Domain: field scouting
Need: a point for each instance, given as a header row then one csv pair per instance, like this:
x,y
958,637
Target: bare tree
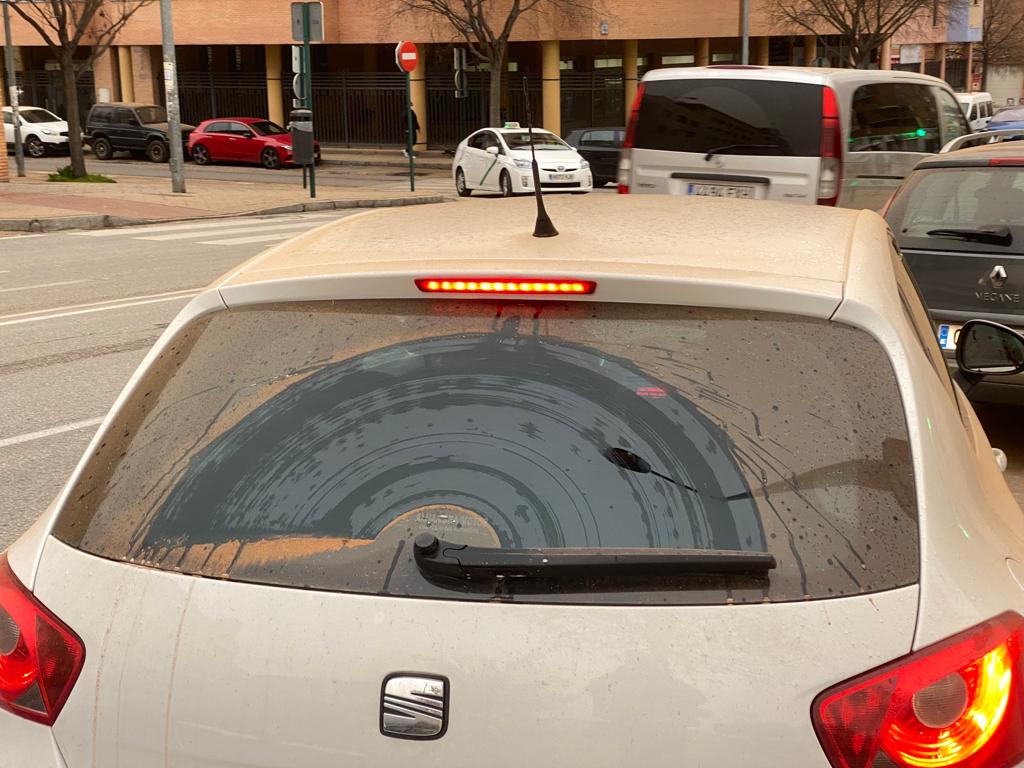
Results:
x,y
864,25
1002,36
486,27
67,25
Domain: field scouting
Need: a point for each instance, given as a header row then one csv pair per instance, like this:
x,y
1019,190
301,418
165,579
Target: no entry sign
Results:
x,y
406,56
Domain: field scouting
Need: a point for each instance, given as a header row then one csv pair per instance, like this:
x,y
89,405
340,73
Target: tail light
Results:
x,y
955,704
40,656
831,149
505,285
625,160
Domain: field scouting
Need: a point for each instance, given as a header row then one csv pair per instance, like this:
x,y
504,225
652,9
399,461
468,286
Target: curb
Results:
x,y
429,165
104,221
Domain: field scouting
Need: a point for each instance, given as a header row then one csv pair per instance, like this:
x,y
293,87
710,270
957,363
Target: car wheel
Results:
x,y
505,184
34,147
157,151
460,184
102,149
200,155
270,159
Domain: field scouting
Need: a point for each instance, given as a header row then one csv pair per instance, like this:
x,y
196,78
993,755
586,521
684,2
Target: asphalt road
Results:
x,y
79,310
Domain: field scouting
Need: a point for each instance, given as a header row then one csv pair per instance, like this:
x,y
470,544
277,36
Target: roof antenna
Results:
x,y
543,227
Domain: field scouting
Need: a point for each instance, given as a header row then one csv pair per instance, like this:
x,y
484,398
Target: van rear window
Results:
x,y
308,445
732,117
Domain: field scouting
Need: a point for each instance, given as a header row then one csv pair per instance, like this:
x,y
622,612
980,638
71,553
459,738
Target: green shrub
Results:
x,y
66,174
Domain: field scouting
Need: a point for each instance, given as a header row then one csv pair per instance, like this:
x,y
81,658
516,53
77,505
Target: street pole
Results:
x,y
12,88
745,31
307,89
408,125
171,90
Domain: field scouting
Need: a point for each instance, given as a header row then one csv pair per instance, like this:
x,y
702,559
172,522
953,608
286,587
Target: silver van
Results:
x,y
842,137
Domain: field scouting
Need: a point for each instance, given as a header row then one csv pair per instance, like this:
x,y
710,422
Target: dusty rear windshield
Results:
x,y
307,446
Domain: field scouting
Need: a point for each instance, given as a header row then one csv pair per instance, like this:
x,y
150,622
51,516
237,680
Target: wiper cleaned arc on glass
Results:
x,y
996,233
460,561
718,150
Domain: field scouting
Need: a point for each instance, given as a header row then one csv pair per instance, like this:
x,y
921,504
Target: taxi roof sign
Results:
x,y
513,126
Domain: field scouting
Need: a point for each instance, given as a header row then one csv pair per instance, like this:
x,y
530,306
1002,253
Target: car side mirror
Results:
x,y
246,134
492,150
984,348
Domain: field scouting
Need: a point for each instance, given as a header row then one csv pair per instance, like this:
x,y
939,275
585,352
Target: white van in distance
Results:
x,y
828,136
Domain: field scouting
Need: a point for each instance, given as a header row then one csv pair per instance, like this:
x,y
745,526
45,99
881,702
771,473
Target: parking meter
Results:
x,y
302,136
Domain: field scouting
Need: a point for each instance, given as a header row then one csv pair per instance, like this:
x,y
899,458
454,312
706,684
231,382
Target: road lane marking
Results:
x,y
232,230
192,225
30,436
244,240
99,306
45,285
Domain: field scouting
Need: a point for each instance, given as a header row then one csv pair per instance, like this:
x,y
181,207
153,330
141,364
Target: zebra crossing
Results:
x,y
223,232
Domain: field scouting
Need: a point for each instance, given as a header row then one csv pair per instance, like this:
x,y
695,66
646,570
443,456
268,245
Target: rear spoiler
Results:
x,y
984,137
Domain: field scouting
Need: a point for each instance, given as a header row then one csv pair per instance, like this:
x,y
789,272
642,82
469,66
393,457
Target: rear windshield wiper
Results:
x,y
718,150
461,561
999,234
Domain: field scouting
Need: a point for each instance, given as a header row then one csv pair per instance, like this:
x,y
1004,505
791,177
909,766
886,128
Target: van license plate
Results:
x,y
948,336
719,190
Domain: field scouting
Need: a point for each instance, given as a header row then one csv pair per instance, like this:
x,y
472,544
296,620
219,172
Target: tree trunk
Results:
x,y
984,69
67,70
497,70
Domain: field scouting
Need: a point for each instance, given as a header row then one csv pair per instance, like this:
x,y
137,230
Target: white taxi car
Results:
x,y
499,160
661,491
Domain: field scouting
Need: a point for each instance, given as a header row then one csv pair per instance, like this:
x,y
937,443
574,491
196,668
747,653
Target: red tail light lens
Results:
x,y
957,703
625,162
830,180
505,285
40,656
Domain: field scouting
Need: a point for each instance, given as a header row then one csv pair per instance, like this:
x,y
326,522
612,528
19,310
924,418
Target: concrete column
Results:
x,y
275,104
761,50
551,85
143,76
418,87
941,51
629,73
702,55
104,71
885,55
810,49
125,70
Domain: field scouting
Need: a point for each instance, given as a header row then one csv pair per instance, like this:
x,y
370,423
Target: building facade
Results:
x,y
234,59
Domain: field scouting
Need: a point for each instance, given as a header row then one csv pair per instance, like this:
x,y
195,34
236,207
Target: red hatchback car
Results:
x,y
242,140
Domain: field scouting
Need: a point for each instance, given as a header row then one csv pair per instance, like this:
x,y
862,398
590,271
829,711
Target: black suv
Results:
x,y
137,128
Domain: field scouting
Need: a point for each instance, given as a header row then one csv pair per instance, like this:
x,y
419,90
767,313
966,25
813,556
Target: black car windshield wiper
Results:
x,y
999,234
718,150
461,561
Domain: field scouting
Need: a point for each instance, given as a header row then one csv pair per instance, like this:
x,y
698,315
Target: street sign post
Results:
x,y
307,27
407,57
12,91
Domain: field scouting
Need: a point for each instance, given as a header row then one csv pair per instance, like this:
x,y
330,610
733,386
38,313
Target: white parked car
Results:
x,y
688,484
42,131
499,160
978,109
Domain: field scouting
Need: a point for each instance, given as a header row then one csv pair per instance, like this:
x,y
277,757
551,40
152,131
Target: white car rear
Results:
x,y
793,134
41,130
245,569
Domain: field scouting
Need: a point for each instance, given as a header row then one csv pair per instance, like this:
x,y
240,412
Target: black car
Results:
x,y
137,128
600,147
959,220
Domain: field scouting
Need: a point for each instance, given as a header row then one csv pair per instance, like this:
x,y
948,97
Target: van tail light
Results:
x,y
40,656
955,704
830,179
625,159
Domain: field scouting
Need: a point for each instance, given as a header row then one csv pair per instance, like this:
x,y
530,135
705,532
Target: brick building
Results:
x,y
4,164
234,59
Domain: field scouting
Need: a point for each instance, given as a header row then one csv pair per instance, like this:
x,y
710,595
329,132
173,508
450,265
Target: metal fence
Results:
x,y
592,99
45,88
357,108
203,95
451,119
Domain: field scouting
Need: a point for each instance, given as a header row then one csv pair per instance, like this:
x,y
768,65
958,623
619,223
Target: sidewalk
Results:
x,y
33,204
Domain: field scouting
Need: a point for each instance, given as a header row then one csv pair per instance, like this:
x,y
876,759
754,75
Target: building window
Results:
x,y
607,63
513,66
722,58
567,64
682,58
